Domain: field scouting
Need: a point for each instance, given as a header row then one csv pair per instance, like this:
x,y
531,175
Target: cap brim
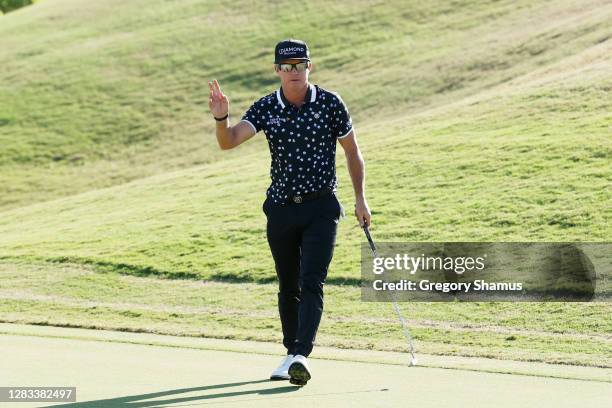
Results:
x,y
278,61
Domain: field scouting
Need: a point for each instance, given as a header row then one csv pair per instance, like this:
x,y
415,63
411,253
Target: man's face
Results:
x,y
293,79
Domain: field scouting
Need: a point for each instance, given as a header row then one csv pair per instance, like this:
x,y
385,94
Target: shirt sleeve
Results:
x,y
254,116
342,124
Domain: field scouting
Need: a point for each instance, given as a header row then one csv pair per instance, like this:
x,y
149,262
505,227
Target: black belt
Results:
x,y
298,199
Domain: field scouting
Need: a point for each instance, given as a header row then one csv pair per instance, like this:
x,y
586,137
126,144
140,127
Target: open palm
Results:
x,y
217,102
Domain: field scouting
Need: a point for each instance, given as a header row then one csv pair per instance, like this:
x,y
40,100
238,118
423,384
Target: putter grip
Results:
x,y
369,237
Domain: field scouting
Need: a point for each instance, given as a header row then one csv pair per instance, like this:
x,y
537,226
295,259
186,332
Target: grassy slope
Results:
x,y
76,296
124,96
481,169
519,153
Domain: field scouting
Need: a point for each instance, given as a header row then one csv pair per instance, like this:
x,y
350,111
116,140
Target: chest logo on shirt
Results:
x,y
276,121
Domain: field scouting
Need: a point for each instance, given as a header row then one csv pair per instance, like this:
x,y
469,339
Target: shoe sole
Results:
x,y
299,374
279,378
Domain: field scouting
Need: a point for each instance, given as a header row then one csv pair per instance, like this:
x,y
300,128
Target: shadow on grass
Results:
x,y
149,271
138,401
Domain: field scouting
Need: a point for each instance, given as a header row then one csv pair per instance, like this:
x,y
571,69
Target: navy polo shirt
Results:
x,y
302,141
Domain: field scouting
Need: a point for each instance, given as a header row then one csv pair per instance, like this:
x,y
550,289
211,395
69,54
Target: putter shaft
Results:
x,y
405,329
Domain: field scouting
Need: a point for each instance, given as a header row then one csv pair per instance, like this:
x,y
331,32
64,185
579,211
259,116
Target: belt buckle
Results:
x,y
297,199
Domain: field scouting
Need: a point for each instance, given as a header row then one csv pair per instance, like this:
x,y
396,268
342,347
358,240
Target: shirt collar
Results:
x,y
311,96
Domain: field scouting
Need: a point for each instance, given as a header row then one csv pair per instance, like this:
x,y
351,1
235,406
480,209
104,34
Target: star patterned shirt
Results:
x,y
302,140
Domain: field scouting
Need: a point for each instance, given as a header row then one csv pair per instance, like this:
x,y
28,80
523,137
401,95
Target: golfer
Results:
x,y
302,123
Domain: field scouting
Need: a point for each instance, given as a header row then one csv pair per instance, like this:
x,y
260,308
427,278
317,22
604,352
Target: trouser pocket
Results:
x,y
340,207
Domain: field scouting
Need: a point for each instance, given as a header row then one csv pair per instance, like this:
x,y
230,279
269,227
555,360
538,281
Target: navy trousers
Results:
x,y
302,238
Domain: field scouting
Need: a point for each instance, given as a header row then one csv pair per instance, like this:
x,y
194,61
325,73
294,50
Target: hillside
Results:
x,y
478,121
122,97
484,168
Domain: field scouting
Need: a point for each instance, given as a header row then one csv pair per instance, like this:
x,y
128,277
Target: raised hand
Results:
x,y
217,102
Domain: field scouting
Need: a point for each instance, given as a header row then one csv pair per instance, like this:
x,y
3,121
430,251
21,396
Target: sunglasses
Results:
x,y
299,67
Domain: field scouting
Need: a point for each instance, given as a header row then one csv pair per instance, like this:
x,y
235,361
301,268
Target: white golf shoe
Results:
x,y
282,372
299,372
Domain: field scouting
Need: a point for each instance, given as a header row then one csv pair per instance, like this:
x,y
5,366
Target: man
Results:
x,y
302,123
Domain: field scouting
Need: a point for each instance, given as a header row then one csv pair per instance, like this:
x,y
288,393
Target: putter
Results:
x,y
405,329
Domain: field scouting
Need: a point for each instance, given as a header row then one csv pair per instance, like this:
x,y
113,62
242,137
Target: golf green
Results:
x,y
119,371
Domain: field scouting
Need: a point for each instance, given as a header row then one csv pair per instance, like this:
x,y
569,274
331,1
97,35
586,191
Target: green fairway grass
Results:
x,y
76,296
131,369
124,96
478,121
